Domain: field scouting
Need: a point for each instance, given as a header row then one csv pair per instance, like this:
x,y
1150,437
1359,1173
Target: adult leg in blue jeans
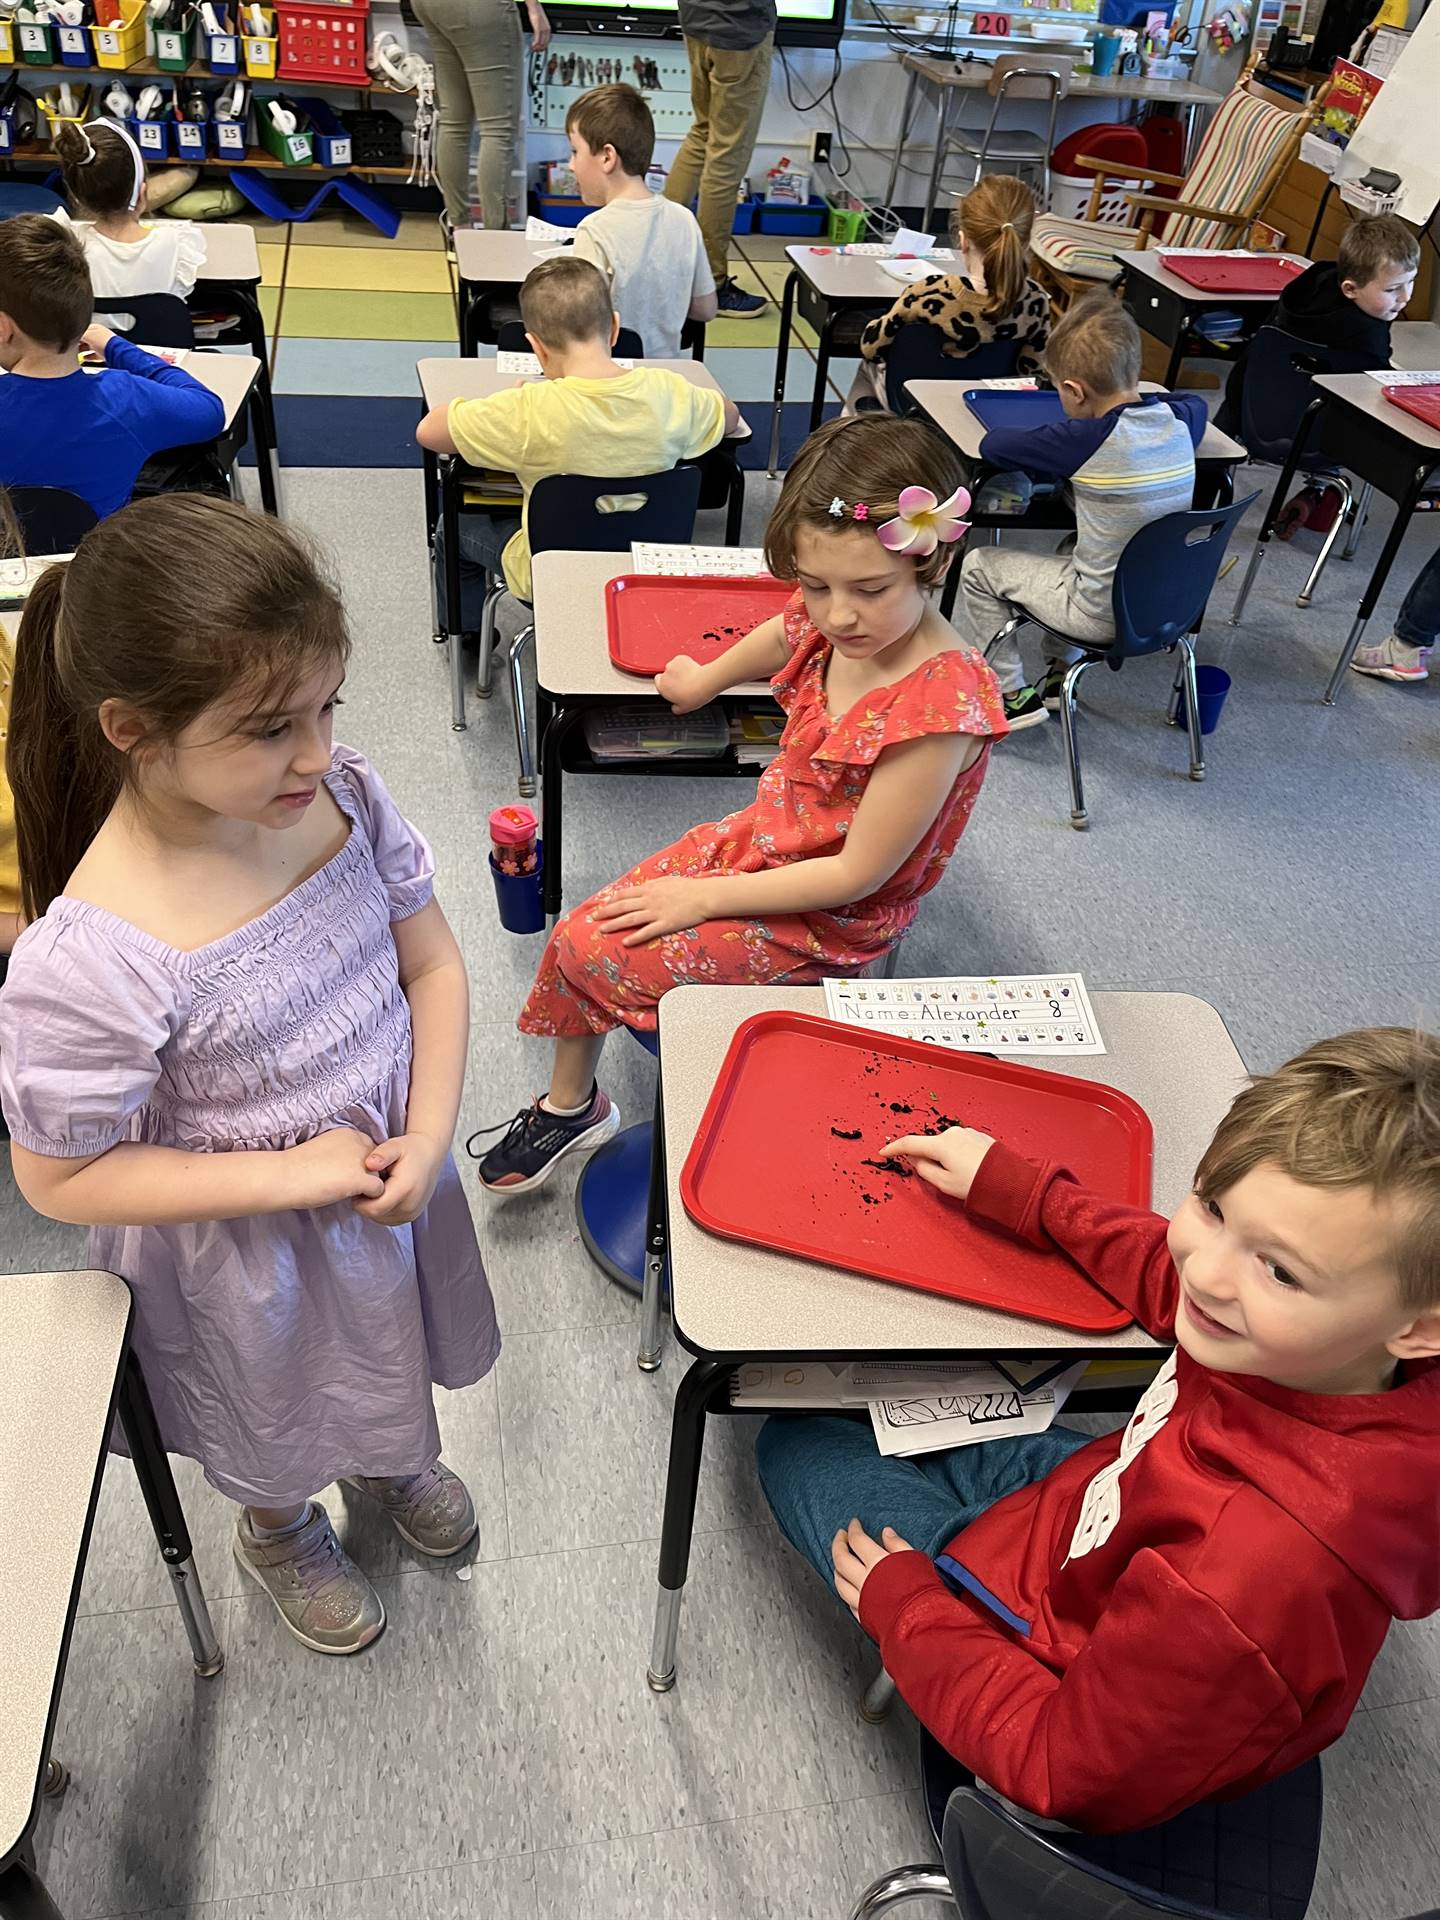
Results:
x,y
483,539
820,1471
1406,654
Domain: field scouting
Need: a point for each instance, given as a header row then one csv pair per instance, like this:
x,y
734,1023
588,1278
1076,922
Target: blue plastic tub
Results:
x,y
810,219
333,146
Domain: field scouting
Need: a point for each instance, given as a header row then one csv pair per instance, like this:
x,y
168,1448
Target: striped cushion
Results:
x,y
1085,248
1240,146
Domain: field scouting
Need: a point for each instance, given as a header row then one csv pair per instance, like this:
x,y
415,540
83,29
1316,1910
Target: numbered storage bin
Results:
x,y
73,45
120,43
174,45
261,50
153,137
333,145
36,42
290,149
7,41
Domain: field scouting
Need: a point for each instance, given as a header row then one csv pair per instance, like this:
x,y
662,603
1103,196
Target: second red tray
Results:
x,y
783,1158
1261,273
649,618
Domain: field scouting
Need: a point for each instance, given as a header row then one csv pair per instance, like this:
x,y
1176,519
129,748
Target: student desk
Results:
x,y
733,1303
1168,308
487,264
235,378
65,1370
826,285
573,674
229,277
943,402
442,381
946,82
1385,447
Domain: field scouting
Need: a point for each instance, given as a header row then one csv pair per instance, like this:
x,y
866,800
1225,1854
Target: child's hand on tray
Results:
x,y
949,1160
855,1554
654,908
682,684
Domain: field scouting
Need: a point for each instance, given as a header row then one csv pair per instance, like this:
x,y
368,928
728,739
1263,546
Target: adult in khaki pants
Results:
x,y
730,43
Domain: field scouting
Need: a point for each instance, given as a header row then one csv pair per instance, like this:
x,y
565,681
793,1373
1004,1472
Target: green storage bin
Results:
x,y
291,149
36,43
844,225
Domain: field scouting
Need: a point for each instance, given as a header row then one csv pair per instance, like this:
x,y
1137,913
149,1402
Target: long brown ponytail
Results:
x,y
172,605
996,217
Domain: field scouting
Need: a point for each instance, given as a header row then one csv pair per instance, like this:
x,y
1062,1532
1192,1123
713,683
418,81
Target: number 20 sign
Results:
x,y
996,23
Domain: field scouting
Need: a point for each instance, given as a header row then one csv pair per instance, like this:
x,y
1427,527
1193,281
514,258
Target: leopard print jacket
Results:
x,y
949,302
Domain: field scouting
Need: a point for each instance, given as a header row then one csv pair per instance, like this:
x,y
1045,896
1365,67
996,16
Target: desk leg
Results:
x,y
23,1895
264,451
782,356
167,1517
907,112
432,528
942,134
551,720
822,367
1272,512
656,1236
1177,355
453,629
704,1380
1404,508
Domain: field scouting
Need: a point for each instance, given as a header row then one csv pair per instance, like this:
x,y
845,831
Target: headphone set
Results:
x,y
408,73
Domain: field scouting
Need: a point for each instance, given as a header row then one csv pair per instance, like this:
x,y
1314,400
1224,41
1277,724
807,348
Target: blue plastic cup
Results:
x,y
1211,686
1104,52
520,897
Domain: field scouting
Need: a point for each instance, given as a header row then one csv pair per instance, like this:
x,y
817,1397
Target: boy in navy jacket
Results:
x,y
89,433
1129,459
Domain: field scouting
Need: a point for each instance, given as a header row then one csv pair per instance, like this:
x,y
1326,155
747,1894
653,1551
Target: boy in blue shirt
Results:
x,y
1128,458
89,433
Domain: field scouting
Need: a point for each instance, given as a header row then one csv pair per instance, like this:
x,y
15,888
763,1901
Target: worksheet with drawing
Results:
x,y
1011,1013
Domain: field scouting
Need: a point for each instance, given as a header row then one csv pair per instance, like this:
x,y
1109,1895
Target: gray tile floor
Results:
x,y
498,1752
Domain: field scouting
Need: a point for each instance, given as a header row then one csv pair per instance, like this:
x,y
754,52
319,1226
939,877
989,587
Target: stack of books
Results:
x,y
756,737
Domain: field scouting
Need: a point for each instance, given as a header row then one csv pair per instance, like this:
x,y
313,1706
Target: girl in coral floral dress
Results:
x,y
889,719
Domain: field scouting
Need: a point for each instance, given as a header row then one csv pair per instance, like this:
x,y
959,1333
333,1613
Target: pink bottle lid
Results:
x,y
512,826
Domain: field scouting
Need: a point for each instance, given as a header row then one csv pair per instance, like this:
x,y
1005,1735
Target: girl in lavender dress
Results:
x,y
234,1034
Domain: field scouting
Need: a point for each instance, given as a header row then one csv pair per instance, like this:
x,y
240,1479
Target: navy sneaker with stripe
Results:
x,y
536,1141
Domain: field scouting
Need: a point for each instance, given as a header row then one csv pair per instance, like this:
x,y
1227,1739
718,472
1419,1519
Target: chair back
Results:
x,y
628,344
159,319
1253,1858
918,353
587,514
1242,155
1279,386
50,519
1031,76
1165,577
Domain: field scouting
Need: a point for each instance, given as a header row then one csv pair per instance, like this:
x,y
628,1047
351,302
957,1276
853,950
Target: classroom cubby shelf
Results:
x,y
255,157
147,70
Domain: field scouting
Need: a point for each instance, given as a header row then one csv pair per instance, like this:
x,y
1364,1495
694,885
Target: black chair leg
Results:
x,y
23,1895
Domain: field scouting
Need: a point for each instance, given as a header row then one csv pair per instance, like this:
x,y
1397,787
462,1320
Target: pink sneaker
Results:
x,y
1392,660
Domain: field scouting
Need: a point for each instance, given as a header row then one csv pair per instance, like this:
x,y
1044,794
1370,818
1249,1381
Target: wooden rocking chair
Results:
x,y
1243,156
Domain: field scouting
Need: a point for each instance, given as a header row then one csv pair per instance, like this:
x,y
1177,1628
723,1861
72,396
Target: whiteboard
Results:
x,y
1398,131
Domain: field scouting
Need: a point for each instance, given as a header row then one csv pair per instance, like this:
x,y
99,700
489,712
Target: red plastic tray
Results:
x,y
1262,273
651,617
1423,402
771,1165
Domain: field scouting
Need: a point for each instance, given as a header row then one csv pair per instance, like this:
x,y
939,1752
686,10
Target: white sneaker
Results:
x,y
1392,660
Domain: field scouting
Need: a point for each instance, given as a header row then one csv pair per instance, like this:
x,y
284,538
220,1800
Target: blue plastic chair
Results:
x,y
1248,1859
1279,386
615,1200
918,353
1162,585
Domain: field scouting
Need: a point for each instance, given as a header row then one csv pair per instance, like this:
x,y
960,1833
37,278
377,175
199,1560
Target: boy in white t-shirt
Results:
x,y
651,251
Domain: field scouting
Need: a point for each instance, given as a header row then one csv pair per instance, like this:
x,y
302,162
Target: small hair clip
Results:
x,y
837,508
860,511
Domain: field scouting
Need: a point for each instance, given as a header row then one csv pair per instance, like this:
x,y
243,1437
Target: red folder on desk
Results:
x,y
1423,402
787,1156
1231,273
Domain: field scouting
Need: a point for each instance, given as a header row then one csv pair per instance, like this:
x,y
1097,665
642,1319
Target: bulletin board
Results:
x,y
1398,131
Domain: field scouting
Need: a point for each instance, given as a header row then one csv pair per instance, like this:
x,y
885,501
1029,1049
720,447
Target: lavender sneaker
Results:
x,y
319,1592
431,1511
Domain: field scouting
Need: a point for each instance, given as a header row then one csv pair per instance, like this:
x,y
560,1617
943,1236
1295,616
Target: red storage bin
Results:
x,y
324,42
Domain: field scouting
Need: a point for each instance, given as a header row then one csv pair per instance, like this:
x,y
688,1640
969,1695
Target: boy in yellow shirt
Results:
x,y
588,415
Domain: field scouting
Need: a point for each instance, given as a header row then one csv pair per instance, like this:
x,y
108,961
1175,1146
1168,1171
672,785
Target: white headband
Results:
x,y
136,156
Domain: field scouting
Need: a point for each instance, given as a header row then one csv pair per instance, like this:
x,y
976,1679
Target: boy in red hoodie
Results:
x,y
1108,1631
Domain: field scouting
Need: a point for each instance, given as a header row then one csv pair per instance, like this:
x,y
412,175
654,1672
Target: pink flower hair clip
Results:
x,y
923,522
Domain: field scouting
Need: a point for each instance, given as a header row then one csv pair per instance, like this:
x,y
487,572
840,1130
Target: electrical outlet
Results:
x,y
820,146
